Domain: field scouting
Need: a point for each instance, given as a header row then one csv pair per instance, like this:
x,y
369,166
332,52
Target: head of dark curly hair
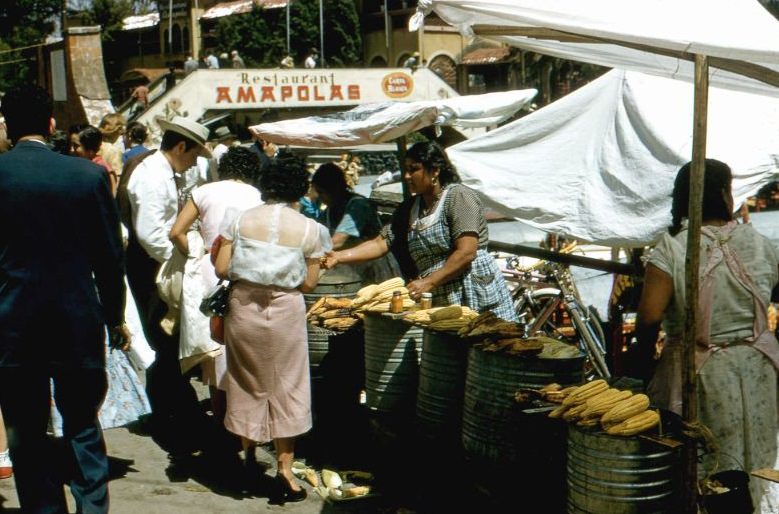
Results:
x,y
431,155
240,163
285,180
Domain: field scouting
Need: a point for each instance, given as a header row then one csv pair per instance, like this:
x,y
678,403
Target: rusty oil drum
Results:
x,y
338,282
392,352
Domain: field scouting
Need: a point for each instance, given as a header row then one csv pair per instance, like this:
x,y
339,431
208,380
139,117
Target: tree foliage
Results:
x,y
109,15
261,35
23,23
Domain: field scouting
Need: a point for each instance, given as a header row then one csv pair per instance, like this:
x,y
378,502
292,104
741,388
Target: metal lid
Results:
x,y
341,274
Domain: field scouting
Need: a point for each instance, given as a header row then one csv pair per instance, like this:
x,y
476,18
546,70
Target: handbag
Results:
x,y
215,304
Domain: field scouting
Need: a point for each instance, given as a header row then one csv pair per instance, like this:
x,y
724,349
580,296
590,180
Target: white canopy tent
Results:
x,y
660,37
599,164
379,123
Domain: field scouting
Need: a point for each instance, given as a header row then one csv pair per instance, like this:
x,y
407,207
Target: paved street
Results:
x,y
142,480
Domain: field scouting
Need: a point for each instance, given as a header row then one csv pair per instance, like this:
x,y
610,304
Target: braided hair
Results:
x,y
716,190
285,180
431,155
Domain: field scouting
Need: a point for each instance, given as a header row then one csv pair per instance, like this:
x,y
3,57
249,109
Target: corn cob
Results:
x,y
598,406
588,422
448,325
387,295
551,387
389,285
337,303
450,312
353,492
625,409
315,307
575,412
558,412
586,391
368,291
635,424
339,323
335,313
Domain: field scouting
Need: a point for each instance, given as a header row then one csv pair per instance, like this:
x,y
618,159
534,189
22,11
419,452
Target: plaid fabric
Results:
x,y
481,286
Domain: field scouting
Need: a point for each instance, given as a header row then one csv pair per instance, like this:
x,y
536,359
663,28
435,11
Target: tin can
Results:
x,y
427,301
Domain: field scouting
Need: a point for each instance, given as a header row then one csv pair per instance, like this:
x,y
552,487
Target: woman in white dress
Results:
x,y
271,254
238,172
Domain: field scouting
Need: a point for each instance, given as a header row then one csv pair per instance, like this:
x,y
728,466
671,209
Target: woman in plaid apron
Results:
x,y
439,237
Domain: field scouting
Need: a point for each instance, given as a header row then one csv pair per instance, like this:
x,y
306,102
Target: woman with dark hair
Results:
x,y
238,171
86,143
439,237
271,254
351,219
736,354
134,138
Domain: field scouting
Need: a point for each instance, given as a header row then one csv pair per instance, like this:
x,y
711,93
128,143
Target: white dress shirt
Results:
x,y
154,201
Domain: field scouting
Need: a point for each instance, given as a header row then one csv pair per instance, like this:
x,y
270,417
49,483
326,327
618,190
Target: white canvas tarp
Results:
x,y
380,123
599,164
634,34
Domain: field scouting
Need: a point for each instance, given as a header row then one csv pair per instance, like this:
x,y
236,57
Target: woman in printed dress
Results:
x,y
736,354
439,237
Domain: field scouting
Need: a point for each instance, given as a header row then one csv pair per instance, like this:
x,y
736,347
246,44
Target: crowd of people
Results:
x,y
127,219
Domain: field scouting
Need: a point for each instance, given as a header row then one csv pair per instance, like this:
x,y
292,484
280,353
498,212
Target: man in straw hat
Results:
x,y
153,193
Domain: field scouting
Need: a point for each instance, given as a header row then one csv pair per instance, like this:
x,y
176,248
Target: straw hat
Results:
x,y
187,128
222,133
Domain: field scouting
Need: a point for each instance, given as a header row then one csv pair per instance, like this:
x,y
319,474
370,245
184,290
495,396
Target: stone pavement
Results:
x,y
408,479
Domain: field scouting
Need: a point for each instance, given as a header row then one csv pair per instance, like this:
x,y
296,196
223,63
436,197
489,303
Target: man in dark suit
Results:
x,y
61,268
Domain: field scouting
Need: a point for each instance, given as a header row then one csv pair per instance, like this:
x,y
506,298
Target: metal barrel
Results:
x,y
441,383
392,351
620,475
491,419
338,282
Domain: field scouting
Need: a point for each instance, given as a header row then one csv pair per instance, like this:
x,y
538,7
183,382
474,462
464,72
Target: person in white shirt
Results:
x,y
212,61
153,192
312,59
235,190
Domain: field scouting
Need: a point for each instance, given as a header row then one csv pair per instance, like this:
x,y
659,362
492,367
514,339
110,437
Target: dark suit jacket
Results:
x,y
61,259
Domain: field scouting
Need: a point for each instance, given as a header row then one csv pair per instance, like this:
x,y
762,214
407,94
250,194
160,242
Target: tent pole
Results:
x,y
692,262
401,143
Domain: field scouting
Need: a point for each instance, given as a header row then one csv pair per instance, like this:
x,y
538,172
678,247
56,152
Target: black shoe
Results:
x,y
285,493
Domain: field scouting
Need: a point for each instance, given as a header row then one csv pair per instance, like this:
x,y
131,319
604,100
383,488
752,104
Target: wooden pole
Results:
x,y
692,263
401,142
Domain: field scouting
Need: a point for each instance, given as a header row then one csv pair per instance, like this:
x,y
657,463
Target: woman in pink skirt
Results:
x,y
271,255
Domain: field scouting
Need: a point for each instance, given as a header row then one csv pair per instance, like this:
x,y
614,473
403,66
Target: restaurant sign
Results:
x,y
308,87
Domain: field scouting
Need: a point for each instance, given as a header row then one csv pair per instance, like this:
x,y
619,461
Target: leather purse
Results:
x,y
215,304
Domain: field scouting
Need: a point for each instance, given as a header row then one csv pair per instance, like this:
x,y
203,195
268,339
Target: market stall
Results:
x,y
733,38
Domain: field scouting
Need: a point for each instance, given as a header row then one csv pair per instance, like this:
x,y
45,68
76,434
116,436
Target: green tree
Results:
x,y
23,23
109,15
261,35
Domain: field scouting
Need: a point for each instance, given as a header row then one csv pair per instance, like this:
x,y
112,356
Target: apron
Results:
x,y
481,286
665,388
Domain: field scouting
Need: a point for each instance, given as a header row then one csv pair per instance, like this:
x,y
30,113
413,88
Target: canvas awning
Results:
x,y
383,122
659,37
599,164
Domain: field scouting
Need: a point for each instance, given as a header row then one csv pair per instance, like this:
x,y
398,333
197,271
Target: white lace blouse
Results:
x,y
271,244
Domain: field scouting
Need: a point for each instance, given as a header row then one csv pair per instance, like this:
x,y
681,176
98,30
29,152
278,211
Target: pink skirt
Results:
x,y
267,382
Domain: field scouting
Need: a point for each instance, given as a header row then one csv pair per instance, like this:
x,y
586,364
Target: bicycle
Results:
x,y
547,302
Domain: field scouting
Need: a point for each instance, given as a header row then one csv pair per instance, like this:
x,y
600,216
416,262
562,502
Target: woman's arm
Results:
x,y
464,253
339,238
312,276
369,250
185,219
655,297
222,264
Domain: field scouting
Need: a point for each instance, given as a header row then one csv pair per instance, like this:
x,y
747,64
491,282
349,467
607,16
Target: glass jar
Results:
x,y
396,304
427,301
